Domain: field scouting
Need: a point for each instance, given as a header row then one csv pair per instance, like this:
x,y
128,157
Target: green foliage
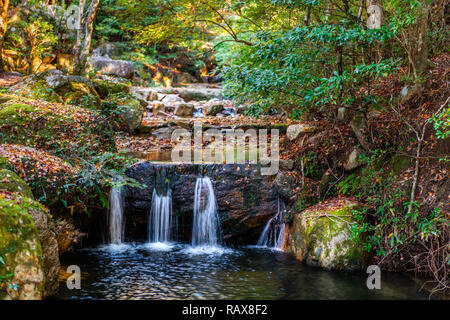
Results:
x,y
385,221
306,68
100,173
441,123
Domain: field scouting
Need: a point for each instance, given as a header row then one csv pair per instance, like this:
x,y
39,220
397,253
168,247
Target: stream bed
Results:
x,y
180,271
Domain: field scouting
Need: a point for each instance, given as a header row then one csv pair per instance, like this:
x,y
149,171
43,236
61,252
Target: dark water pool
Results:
x,y
178,271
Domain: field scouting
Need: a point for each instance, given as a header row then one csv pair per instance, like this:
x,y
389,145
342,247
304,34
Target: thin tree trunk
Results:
x,y
77,46
4,4
308,16
88,30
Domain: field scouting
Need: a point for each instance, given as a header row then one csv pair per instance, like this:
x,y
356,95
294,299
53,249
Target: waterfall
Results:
x,y
116,223
273,233
160,218
206,222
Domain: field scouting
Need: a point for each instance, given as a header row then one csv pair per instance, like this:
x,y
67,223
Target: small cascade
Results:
x,y
116,223
273,233
161,217
205,229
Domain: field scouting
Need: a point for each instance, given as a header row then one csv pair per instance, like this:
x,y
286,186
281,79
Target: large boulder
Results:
x,y
353,160
21,264
285,184
242,109
214,107
106,87
320,236
184,110
127,109
108,66
360,128
172,99
55,86
293,131
65,130
146,94
49,244
106,50
12,182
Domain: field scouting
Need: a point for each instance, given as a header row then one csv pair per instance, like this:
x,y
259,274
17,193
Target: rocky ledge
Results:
x,y
245,198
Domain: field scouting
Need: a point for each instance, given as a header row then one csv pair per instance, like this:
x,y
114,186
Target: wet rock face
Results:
x,y
21,267
246,200
49,245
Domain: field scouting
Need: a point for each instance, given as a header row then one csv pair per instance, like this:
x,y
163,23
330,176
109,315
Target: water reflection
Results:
x,y
178,271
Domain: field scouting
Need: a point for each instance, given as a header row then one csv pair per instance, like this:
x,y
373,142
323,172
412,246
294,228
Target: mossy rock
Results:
x,y
5,98
82,95
400,162
4,164
106,88
40,90
64,130
21,262
47,175
125,110
11,182
54,86
304,200
321,237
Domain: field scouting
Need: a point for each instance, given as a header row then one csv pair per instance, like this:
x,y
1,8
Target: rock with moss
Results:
x,y
125,110
46,229
55,86
21,263
320,236
106,87
50,253
4,163
64,130
82,95
44,173
13,183
285,184
214,107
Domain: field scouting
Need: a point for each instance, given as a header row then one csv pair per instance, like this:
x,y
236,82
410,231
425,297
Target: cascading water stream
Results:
x,y
116,223
161,217
273,233
205,229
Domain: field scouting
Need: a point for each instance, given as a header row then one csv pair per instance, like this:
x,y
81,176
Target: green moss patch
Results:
x,y
20,250
64,130
11,182
321,237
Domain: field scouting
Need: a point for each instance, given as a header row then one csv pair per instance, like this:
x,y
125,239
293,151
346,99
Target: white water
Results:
x,y
273,233
206,222
116,223
160,218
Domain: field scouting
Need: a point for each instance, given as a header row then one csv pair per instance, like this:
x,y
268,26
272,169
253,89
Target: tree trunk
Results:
x,y
4,4
88,26
414,41
421,56
77,46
